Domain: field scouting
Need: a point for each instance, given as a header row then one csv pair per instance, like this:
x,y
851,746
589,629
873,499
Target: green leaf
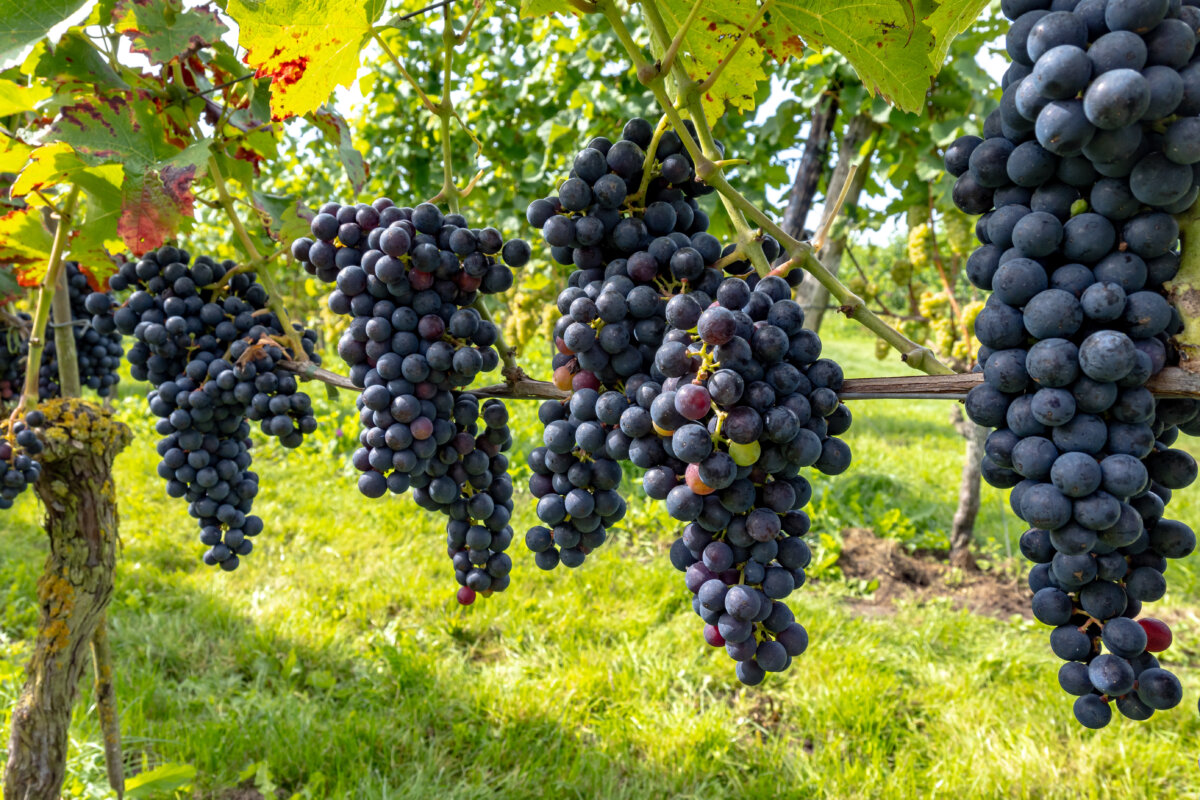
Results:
x,y
306,47
888,46
158,781
333,126
74,60
947,21
95,240
162,31
24,22
287,218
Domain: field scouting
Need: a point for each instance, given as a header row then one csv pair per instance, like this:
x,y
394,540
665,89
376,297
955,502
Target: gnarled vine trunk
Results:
x,y
81,520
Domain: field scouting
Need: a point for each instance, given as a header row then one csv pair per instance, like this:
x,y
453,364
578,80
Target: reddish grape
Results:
x,y
713,636
692,401
466,595
585,380
1158,635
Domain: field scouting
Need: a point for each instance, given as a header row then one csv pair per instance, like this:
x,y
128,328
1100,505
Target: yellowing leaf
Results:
x,y
13,154
540,8
48,166
25,243
15,98
306,47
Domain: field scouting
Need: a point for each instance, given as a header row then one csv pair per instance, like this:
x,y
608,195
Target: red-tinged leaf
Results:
x,y
306,47
115,130
336,131
153,206
163,31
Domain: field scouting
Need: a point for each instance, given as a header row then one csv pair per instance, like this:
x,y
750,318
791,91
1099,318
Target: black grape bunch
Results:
x,y
410,280
472,487
13,351
210,347
635,240
746,404
1092,150
98,347
19,448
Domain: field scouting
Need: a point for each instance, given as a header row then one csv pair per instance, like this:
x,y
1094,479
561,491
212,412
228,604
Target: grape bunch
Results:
x,y
98,350
410,280
98,347
469,483
1081,167
708,383
13,351
747,402
211,348
19,466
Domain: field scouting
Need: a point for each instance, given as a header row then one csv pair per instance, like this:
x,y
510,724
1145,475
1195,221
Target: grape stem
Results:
x,y
801,253
257,262
512,370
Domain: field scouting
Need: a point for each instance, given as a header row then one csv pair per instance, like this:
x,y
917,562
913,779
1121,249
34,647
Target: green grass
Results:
x,y
335,662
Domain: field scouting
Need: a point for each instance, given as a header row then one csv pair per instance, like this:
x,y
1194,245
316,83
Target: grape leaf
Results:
x,y
335,130
13,154
108,129
883,40
47,166
708,41
541,8
74,60
15,99
163,31
306,47
286,217
25,242
24,22
154,202
948,20
153,206
95,240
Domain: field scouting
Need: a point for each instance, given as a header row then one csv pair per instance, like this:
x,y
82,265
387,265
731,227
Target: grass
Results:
x,y
335,662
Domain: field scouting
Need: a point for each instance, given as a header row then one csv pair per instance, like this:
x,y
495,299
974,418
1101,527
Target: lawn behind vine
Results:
x,y
336,663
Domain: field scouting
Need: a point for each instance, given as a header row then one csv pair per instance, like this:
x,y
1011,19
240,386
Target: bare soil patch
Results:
x,y
925,576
